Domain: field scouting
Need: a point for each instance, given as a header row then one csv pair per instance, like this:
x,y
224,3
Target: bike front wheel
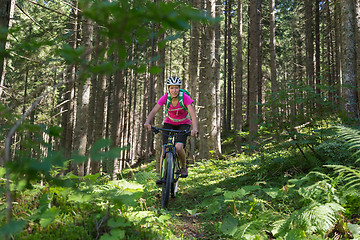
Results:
x,y
166,188
175,182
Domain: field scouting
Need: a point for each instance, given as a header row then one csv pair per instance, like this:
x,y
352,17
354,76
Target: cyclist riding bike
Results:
x,y
176,118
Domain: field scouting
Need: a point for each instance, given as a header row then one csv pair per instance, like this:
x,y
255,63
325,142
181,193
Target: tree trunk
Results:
x,y
229,67
272,48
100,111
338,50
309,42
205,89
217,70
225,124
145,112
254,35
185,60
82,113
349,58
295,69
6,16
193,68
357,30
212,75
68,110
92,103
317,46
259,69
118,83
329,53
239,69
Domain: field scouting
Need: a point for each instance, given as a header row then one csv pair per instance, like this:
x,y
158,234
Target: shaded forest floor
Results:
x,y
303,189
224,198
189,208
193,213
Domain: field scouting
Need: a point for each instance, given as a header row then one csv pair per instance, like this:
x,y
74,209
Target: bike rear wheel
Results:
x,y
166,188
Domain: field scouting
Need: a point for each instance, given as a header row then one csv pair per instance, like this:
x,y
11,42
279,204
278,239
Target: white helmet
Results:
x,y
173,81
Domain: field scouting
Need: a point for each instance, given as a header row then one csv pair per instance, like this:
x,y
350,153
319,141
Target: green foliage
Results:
x,y
243,197
98,207
314,218
131,22
88,201
352,138
334,151
280,193
110,209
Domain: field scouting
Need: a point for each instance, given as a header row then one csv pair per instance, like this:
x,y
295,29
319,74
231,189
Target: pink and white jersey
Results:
x,y
176,114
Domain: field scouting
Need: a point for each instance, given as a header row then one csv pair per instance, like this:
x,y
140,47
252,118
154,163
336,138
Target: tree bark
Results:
x,y
6,15
193,68
68,110
224,118
205,89
229,67
357,30
349,58
100,111
82,113
254,50
272,48
309,42
338,50
317,47
212,75
159,92
329,53
260,58
217,76
118,83
239,69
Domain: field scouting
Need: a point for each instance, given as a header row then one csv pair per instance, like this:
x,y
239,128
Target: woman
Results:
x,y
176,118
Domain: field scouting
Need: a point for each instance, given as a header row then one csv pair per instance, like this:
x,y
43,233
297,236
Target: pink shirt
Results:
x,y
176,112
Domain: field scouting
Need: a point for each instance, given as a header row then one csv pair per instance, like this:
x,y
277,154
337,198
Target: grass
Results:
x,y
266,195
192,214
237,195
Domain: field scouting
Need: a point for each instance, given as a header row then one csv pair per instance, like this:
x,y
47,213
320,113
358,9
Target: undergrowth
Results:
x,y
303,187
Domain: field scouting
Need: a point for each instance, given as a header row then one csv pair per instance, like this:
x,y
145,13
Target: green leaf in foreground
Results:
x,y
12,228
49,216
229,225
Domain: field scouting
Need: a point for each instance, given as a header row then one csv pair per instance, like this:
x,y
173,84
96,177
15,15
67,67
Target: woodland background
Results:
x,y
255,64
79,78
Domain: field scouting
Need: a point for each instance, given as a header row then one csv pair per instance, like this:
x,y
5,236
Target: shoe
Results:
x,y
184,172
159,181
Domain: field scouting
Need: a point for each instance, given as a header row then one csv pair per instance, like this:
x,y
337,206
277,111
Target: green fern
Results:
x,y
350,176
324,190
314,218
352,138
257,228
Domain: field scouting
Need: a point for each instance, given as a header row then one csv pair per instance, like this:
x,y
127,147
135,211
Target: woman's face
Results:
x,y
174,90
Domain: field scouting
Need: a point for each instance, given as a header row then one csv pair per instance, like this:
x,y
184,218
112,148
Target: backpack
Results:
x,y
181,100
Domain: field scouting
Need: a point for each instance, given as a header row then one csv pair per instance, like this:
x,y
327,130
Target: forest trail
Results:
x,y
186,222
189,211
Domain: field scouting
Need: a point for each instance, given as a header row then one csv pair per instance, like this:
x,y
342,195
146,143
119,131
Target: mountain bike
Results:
x,y
170,167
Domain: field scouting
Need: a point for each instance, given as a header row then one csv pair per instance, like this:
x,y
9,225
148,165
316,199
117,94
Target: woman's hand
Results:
x,y
151,115
147,126
194,132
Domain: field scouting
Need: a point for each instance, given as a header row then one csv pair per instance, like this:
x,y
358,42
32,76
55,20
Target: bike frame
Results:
x,y
169,153
168,148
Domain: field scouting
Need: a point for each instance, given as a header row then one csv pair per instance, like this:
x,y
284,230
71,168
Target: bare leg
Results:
x,y
181,153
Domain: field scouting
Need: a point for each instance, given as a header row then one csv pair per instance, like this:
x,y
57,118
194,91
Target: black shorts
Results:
x,y
180,137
